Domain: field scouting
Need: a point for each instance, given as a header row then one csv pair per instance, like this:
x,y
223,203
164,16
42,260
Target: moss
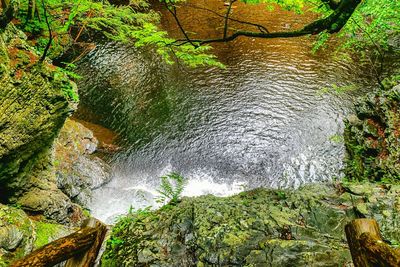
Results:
x,y
45,233
16,234
304,228
372,139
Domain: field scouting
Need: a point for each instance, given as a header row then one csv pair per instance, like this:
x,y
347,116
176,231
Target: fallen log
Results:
x,y
88,258
367,247
76,244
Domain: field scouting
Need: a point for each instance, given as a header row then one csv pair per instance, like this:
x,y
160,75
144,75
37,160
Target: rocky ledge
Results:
x,y
303,227
78,169
372,137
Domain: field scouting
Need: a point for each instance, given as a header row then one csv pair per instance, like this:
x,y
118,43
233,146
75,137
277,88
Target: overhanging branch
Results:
x,y
331,24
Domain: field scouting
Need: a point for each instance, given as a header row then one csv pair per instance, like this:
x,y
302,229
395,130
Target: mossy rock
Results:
x,y
372,138
35,100
78,170
303,227
17,234
47,232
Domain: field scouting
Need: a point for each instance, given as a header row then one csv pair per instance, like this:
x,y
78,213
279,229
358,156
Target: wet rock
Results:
x,y
17,234
51,203
78,170
372,139
34,103
303,227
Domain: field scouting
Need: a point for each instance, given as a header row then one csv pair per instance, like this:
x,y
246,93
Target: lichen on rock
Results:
x,y
78,170
34,103
261,227
372,137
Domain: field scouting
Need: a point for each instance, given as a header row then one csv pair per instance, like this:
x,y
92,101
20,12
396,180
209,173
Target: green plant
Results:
x,y
171,188
281,194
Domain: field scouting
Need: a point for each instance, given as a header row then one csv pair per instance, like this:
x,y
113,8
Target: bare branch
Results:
x,y
46,49
228,11
259,26
174,14
331,24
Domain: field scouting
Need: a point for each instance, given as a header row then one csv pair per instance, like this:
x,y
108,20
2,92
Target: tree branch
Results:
x,y
46,49
173,13
332,24
228,11
259,26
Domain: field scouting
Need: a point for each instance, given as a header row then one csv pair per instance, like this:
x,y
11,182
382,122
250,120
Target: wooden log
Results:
x,y
367,247
354,230
60,249
379,253
88,258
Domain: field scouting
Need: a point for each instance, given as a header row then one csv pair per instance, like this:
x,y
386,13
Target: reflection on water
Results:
x,y
259,122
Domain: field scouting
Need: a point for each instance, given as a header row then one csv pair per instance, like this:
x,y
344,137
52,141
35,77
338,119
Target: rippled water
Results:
x,y
260,122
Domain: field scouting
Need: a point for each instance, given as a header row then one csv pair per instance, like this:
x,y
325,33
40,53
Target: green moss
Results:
x,y
372,139
16,234
45,233
301,229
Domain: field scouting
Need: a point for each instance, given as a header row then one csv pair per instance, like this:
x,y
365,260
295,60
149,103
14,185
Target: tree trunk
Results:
x,y
60,249
366,245
31,10
378,252
84,244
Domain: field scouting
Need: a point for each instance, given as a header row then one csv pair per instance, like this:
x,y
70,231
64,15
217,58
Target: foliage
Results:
x,y
370,34
335,89
76,20
171,188
372,25
134,217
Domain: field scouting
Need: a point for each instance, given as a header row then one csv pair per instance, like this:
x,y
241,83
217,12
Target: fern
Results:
x,y
171,188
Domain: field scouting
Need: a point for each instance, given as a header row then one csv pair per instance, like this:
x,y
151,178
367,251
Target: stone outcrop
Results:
x,y
372,137
303,227
35,100
19,234
78,170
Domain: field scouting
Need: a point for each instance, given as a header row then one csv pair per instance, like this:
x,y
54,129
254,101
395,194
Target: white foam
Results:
x,y
110,202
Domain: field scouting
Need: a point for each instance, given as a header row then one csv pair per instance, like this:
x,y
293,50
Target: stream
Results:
x,y
262,121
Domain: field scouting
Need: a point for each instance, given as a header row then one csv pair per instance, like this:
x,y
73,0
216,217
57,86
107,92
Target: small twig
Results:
x,y
259,26
228,11
174,14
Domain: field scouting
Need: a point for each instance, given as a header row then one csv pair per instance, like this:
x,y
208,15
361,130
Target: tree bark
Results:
x,y
367,247
84,244
88,258
378,253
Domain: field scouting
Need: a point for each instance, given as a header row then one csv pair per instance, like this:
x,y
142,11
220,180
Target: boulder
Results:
x,y
78,170
17,234
35,100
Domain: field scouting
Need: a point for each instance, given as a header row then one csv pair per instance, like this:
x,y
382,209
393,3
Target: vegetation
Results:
x,y
45,233
171,188
367,26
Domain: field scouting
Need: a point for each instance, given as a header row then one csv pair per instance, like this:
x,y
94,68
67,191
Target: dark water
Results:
x,y
262,121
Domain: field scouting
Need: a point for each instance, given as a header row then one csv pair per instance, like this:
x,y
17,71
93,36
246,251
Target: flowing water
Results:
x,y
262,121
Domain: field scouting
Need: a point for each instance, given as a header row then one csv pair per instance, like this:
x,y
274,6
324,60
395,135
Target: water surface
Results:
x,y
262,121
